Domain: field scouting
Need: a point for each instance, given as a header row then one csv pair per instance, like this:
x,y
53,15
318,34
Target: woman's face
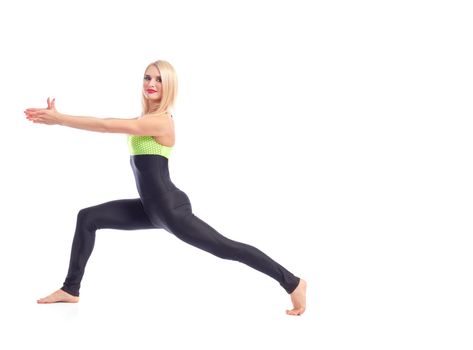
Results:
x,y
152,86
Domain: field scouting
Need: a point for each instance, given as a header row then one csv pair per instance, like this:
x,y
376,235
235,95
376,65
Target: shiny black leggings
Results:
x,y
161,205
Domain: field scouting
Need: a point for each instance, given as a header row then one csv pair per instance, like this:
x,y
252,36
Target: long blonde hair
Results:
x,y
169,89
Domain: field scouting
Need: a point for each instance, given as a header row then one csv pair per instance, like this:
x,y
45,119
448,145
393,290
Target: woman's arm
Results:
x,y
155,126
144,126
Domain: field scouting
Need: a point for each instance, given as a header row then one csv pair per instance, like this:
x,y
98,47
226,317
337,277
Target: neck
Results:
x,y
153,106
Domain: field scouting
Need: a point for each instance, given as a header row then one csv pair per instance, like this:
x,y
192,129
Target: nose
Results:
x,y
149,84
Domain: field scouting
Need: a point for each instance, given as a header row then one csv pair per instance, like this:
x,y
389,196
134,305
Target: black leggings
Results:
x,y
161,205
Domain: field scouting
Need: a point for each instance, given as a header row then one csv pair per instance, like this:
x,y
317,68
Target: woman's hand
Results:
x,y
49,116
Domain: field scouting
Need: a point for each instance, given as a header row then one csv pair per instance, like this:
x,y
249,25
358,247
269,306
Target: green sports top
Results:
x,y
147,145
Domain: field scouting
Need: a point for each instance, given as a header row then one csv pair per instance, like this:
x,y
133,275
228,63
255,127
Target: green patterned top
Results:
x,y
147,145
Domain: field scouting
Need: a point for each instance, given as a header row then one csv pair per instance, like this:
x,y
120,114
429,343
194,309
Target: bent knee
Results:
x,y
87,217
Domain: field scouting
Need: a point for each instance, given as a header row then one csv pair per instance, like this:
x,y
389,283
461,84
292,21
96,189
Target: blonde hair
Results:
x,y
169,89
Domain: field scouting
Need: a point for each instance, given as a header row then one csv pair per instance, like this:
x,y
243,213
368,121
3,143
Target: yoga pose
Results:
x,y
160,204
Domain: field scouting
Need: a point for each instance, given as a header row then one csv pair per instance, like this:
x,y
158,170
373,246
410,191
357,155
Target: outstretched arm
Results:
x,y
144,126
152,126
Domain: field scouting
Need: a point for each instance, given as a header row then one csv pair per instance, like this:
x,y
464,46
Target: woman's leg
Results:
x,y
123,214
175,211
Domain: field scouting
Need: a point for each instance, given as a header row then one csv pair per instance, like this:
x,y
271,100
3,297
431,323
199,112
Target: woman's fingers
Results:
x,y
34,114
42,115
51,103
35,119
32,119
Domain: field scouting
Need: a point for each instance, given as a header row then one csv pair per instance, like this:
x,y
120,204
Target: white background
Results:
x,y
333,135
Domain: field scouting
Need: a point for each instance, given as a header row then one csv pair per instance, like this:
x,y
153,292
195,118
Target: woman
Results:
x,y
161,204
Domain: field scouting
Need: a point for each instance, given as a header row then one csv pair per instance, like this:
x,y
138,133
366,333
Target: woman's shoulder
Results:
x,y
165,115
169,137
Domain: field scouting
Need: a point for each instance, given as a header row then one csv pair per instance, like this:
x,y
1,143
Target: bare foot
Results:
x,y
59,296
298,299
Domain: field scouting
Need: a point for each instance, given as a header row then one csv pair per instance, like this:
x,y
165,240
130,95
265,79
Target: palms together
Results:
x,y
49,115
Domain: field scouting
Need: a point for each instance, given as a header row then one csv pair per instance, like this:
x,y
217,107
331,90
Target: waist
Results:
x,y
146,162
151,174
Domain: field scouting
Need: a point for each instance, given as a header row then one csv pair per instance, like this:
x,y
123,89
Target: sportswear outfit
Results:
x,y
160,205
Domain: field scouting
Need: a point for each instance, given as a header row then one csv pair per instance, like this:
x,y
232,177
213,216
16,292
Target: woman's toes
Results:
x,y
295,312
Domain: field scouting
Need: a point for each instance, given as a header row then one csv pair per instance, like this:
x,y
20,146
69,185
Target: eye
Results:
x,y
159,79
147,77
